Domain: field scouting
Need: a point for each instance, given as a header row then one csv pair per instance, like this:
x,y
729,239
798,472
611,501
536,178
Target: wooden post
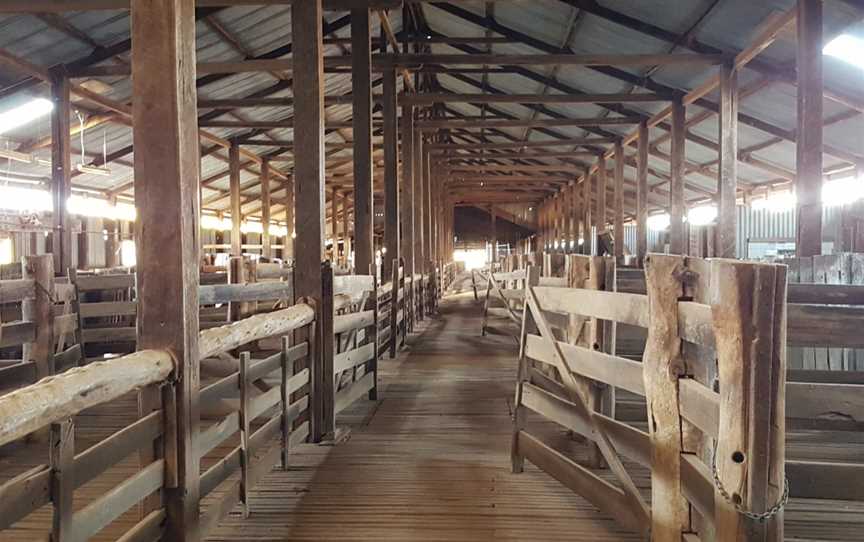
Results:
x,y
165,128
326,375
286,372
309,182
394,307
749,310
245,433
236,275
112,246
727,216
619,202
493,235
236,209
642,194
288,244
61,173
361,66
407,199
62,456
586,209
677,208
517,460
40,311
600,215
419,228
334,225
663,365
808,183
346,232
266,250
391,172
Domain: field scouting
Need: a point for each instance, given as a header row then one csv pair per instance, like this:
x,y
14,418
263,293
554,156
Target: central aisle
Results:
x,y
429,461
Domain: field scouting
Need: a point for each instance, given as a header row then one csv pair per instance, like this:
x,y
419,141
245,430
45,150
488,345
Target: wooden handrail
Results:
x,y
59,397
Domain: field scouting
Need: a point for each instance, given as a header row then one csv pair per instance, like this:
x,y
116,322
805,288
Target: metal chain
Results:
x,y
760,517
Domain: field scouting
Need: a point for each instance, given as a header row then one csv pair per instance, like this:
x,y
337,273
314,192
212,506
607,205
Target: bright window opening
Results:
x,y
24,114
473,259
127,253
848,48
7,253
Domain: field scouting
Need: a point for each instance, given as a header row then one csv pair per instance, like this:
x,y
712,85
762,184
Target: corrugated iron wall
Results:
x,y
753,225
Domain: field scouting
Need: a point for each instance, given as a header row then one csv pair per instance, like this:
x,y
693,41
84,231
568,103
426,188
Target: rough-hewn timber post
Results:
x,y
727,215
600,215
361,66
309,184
419,226
619,202
346,232
663,365
586,213
165,128
808,183
677,208
749,313
408,234
266,241
39,310
288,244
642,194
236,202
391,179
61,173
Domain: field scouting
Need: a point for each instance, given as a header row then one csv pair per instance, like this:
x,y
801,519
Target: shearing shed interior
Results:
x,y
440,271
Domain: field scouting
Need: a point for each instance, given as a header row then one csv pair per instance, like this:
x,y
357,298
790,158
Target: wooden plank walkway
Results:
x,y
430,461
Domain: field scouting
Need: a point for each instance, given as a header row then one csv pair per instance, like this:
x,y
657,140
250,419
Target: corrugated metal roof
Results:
x,y
728,26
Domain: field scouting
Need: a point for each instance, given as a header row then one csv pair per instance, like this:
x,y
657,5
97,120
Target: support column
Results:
x,y
334,225
266,241
600,215
288,245
808,183
346,232
165,129
61,174
236,209
619,202
361,66
677,241
727,216
407,209
309,190
428,229
586,217
419,231
493,234
391,179
642,194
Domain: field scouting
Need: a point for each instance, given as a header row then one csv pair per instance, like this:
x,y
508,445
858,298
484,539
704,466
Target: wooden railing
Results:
x,y
355,335
45,337
734,309
54,402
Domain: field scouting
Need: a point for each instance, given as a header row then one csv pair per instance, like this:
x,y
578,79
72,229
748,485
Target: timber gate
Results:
x,y
715,438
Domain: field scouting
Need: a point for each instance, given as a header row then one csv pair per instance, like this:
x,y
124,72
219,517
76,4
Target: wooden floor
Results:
x,y
429,461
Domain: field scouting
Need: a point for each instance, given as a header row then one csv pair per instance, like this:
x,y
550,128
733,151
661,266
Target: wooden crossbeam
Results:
x,y
59,6
524,144
433,98
459,124
554,59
